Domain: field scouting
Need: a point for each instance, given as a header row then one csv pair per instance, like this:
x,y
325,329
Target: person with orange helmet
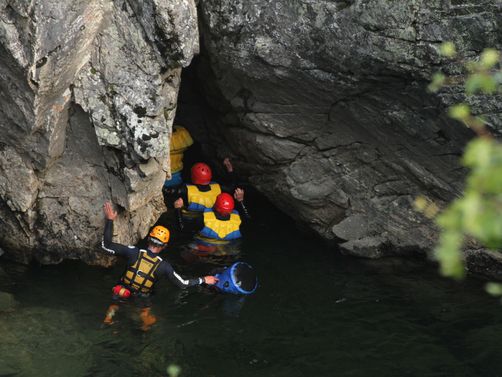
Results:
x,y
144,268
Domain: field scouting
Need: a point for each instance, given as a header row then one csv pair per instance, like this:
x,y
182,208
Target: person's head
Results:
x,y
158,238
201,174
224,204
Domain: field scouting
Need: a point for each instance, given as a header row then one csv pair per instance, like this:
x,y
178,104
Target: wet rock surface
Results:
x,y
87,97
324,105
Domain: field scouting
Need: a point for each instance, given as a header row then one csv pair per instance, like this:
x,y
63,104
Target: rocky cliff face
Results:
x,y
324,103
87,97
321,103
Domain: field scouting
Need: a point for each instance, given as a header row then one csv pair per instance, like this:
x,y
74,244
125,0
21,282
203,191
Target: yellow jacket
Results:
x,y
180,141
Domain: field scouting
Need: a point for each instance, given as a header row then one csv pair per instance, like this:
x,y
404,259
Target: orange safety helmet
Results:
x,y
224,204
159,235
201,174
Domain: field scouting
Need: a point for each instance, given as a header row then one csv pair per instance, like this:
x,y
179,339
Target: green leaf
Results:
x,y
473,83
495,289
460,111
472,206
478,153
489,57
437,82
489,181
449,255
173,370
488,84
451,217
448,49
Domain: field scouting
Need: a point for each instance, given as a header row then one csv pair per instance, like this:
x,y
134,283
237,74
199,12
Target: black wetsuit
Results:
x,y
132,253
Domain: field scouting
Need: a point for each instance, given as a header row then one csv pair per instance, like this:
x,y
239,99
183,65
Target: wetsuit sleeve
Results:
x,y
179,219
173,193
112,247
243,211
176,279
229,182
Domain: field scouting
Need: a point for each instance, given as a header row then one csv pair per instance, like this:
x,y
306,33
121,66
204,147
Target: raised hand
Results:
x,y
110,213
178,203
239,194
228,165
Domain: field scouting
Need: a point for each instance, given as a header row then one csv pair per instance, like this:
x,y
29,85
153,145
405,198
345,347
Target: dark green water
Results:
x,y
314,314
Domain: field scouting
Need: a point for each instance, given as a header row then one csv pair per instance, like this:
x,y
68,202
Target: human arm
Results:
x,y
107,244
173,193
228,165
239,204
181,282
178,205
229,180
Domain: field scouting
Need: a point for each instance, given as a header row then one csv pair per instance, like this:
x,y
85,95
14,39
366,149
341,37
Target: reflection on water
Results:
x,y
314,314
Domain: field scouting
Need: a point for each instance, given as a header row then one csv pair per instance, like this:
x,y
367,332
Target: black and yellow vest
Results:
x,y
140,276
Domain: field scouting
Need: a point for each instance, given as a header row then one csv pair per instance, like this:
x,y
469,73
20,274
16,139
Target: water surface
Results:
x,y
314,314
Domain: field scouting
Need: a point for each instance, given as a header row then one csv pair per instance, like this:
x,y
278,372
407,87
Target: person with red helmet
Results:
x,y
221,227
144,268
222,222
192,199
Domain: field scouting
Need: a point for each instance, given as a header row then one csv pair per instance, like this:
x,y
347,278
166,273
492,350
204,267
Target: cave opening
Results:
x,y
201,116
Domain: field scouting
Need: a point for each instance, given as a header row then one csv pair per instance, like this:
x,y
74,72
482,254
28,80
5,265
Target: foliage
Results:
x,y
173,370
478,212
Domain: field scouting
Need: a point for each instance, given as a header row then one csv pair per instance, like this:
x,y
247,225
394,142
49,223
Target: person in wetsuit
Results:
x,y
144,268
199,195
181,140
221,226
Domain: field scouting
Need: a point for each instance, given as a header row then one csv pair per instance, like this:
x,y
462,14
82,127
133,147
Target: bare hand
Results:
x,y
178,203
228,164
210,280
239,194
110,213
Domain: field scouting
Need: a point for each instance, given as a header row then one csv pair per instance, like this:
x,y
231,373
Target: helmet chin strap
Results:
x,y
155,242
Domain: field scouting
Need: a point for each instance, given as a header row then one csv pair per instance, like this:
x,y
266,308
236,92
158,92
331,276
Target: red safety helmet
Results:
x,y
224,204
201,174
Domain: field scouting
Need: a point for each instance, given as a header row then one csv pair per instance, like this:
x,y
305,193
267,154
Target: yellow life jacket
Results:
x,y
141,274
180,141
199,201
221,230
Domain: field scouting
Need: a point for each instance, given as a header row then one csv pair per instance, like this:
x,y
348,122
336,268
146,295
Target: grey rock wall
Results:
x,y
321,103
87,97
324,105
